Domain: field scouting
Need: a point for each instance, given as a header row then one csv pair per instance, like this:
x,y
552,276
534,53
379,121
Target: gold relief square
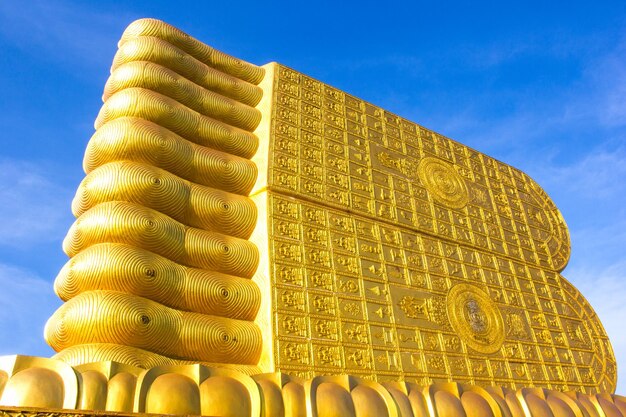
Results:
x,y
519,372
357,129
512,351
411,241
290,299
536,372
322,304
565,356
327,356
311,84
418,279
431,247
346,264
337,179
425,223
311,154
286,229
289,275
473,273
318,257
287,101
436,364
394,142
479,368
293,352
499,369
393,255
348,285
469,256
458,366
292,325
525,285
408,127
439,283
320,279
311,139
405,216
414,260
358,358
354,102
408,338
285,207
452,343
287,115
375,136
288,145
431,341
380,178
480,240
355,333
325,329
531,352
331,133
310,110
372,270
379,312
403,200
314,215
312,97
289,74
288,88
444,229
285,179
559,339
350,309
411,143
396,273
311,170
386,360
422,206
375,291
548,354
333,93
340,222
336,195
492,278
435,265
316,236
360,172
369,249
413,362
373,111
373,123
287,251
335,120
336,148
383,335
531,302
455,269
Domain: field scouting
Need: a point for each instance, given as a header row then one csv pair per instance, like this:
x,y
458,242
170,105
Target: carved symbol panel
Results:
x,y
398,253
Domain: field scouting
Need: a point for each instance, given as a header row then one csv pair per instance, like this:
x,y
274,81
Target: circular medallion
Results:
x,y
443,182
475,318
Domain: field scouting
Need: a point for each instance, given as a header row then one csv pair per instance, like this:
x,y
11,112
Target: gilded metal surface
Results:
x,y
396,253
369,246
161,265
115,389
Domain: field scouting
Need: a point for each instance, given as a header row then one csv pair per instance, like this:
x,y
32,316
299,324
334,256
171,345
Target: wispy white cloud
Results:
x,y
26,302
35,208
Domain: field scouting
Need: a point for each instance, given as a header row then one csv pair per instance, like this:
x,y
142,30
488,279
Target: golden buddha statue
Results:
x,y
247,237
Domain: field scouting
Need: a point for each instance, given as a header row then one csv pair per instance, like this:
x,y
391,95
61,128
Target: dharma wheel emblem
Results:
x,y
475,318
443,182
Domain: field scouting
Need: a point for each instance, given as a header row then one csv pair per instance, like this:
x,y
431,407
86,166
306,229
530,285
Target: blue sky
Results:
x,y
538,85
